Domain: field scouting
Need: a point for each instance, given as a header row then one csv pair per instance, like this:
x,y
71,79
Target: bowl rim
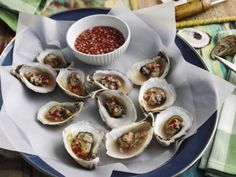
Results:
x,y
127,39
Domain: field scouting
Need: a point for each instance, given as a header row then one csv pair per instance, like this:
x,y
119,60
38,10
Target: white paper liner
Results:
x,y
195,89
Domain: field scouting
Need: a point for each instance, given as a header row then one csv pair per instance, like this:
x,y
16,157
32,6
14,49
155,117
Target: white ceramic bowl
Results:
x,y
92,21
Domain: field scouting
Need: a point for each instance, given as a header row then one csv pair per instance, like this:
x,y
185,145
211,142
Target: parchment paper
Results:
x,y
195,90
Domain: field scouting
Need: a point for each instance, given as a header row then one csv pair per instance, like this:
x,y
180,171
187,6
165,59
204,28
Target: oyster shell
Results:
x,y
225,46
156,95
37,77
115,108
172,124
53,58
82,141
55,113
130,140
158,66
194,37
72,81
111,79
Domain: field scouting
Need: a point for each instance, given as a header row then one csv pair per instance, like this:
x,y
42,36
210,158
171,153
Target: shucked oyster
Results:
x,y
194,37
172,124
130,140
82,141
115,108
156,95
53,58
71,80
37,77
158,66
225,46
55,113
111,79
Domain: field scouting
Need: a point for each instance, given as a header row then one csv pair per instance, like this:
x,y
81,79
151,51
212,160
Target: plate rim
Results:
x,y
26,157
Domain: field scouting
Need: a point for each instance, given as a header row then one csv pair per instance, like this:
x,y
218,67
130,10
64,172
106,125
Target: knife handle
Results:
x,y
191,8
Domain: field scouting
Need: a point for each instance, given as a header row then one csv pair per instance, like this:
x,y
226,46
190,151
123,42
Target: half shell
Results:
x,y
130,140
172,124
111,79
82,141
158,66
194,37
37,77
55,113
115,108
72,81
156,95
53,58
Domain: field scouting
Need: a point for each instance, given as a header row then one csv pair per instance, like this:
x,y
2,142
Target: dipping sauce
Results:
x,y
99,40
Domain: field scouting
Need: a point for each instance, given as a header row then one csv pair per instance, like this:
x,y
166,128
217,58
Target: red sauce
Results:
x,y
99,40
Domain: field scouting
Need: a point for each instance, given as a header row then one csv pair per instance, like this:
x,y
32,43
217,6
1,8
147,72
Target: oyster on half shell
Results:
x,y
172,124
53,58
111,79
156,95
82,141
55,113
225,46
158,66
115,108
37,77
130,140
72,82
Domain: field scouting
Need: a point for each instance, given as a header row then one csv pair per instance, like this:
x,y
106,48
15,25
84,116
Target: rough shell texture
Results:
x,y
138,79
94,78
113,135
163,117
62,81
225,46
70,132
19,71
74,107
130,115
62,62
194,37
159,83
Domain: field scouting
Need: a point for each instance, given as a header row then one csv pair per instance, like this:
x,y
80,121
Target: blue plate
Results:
x,y
190,150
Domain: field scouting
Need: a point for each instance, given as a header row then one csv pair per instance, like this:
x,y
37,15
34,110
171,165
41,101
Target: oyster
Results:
x,y
72,81
156,95
158,66
55,113
172,124
194,37
111,79
130,140
115,108
37,77
82,141
225,46
53,58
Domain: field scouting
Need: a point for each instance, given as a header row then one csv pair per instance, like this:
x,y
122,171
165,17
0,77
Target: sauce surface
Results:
x,y
99,40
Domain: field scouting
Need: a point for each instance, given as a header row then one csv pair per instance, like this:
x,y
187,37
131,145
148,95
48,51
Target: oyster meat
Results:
x,y
37,77
72,82
115,108
82,141
225,46
156,95
53,58
55,113
196,38
111,79
158,66
172,124
130,140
